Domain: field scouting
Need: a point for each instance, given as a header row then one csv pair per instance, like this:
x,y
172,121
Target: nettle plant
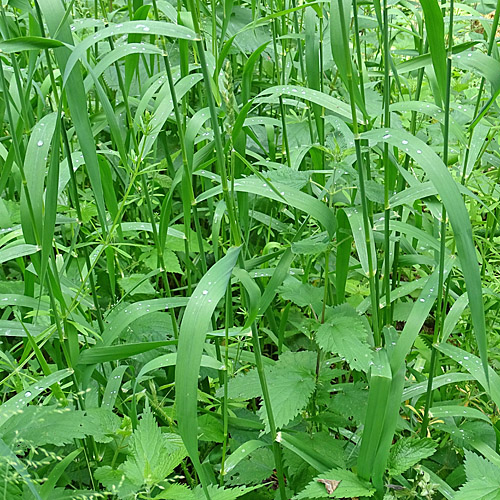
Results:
x,y
248,250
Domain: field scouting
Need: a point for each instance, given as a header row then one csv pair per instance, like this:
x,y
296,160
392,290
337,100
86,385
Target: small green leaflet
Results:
x,y
344,333
408,452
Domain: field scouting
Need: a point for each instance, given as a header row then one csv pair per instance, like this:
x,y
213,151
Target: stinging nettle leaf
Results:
x,y
408,452
345,334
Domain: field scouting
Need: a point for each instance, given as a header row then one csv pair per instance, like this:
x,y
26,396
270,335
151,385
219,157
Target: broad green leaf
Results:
x,y
345,334
219,493
483,479
302,294
407,452
291,383
153,454
44,425
311,246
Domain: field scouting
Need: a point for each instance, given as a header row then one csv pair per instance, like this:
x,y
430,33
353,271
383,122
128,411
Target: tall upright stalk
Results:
x,y
361,177
440,304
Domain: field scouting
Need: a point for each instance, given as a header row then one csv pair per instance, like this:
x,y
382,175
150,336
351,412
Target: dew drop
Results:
x,y
27,394
204,292
404,141
39,143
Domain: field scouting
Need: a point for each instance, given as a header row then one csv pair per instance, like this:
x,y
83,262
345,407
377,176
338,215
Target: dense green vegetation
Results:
x,y
248,250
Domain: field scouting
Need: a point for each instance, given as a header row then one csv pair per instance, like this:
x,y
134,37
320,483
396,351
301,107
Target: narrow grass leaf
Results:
x,y
447,188
144,27
28,43
13,252
240,453
330,103
121,317
293,197
96,355
19,401
194,326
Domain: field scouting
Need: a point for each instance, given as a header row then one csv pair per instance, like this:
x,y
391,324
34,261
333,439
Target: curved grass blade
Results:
x,y
13,405
171,360
28,43
380,385
55,14
355,218
447,188
144,27
16,251
334,105
114,383
121,318
457,411
240,453
472,364
415,390
434,23
195,324
425,59
48,486
35,169
96,355
293,197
